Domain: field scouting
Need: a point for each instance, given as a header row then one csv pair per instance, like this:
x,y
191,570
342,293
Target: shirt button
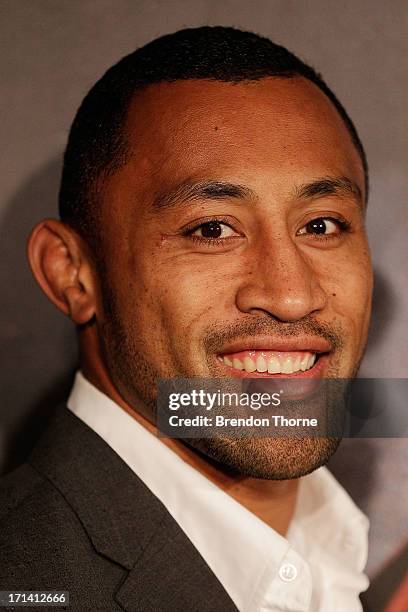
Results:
x,y
287,572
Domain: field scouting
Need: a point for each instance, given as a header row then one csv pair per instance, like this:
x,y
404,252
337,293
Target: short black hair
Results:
x,y
97,140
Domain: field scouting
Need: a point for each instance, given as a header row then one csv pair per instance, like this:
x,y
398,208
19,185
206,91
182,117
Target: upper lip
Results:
x,y
258,343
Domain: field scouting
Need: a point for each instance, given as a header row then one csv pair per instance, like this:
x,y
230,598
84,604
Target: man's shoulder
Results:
x,y
44,542
43,545
69,517
34,516
16,487
79,520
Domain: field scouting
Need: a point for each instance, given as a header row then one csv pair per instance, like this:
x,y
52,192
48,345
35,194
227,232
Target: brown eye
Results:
x,y
320,226
214,229
316,227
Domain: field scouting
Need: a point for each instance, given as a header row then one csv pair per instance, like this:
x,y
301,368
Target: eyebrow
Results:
x,y
189,191
202,190
332,186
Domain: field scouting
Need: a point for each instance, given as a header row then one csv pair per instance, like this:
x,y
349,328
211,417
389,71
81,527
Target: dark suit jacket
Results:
x,y
76,518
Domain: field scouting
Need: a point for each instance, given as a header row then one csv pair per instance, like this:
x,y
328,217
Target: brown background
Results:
x,y
53,51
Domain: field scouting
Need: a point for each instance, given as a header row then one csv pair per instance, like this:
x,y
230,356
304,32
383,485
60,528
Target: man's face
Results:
x,y
233,239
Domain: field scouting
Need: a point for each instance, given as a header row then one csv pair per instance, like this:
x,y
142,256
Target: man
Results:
x,y
212,225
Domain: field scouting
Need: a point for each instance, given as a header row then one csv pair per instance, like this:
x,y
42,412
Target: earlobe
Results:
x,y
62,269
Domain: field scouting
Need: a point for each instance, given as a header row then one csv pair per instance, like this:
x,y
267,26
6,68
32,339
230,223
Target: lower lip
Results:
x,y
315,372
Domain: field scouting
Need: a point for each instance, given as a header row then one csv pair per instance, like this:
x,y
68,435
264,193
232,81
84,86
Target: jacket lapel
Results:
x,y
126,522
171,575
116,509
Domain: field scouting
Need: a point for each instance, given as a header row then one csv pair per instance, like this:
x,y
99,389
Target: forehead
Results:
x,y
282,130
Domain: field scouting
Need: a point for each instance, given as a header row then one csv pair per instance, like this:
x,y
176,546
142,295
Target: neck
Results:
x,y
273,501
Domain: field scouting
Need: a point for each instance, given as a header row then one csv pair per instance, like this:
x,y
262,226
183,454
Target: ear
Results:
x,y
61,264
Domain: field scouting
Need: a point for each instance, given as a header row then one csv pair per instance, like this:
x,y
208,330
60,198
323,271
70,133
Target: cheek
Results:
x,y
184,300
167,302
348,282
193,296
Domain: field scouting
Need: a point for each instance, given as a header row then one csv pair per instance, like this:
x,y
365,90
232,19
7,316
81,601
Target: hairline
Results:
x,y
121,156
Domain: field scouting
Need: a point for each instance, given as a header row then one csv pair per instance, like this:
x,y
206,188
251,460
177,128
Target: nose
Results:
x,y
282,281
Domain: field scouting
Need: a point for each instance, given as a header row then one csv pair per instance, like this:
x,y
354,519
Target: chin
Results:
x,y
268,458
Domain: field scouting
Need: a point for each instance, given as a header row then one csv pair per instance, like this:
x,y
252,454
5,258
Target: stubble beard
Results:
x,y
274,458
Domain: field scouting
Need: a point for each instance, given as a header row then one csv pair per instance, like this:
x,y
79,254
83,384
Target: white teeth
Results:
x,y
274,365
261,364
296,364
237,364
249,364
304,363
287,367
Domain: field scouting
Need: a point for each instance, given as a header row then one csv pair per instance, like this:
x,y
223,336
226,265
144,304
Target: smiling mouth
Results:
x,y
266,362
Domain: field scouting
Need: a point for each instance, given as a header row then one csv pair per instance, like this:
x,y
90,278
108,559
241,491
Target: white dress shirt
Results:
x,y
318,567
